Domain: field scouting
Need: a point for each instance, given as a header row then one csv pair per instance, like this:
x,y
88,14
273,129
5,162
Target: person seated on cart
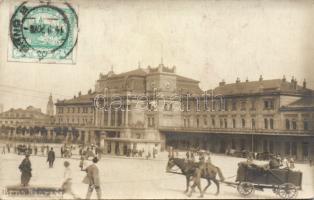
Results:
x,y
274,163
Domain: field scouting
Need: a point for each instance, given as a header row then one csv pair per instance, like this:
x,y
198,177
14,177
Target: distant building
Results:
x,y
50,107
1,108
24,117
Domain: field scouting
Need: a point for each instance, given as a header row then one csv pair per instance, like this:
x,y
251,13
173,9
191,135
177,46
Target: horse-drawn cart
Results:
x,y
284,182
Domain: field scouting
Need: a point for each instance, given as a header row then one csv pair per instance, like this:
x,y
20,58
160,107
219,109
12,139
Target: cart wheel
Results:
x,y
287,191
245,188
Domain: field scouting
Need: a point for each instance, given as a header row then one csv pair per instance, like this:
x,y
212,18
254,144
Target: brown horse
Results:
x,y
196,171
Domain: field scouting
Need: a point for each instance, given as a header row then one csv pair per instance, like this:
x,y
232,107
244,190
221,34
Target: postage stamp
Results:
x,y
43,32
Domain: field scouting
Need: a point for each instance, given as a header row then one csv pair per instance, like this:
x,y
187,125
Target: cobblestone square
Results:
x,y
123,177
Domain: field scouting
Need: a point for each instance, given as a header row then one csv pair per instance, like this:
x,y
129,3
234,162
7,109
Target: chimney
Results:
x,y
260,78
295,83
292,79
238,80
222,83
304,84
79,94
89,91
247,79
74,97
284,78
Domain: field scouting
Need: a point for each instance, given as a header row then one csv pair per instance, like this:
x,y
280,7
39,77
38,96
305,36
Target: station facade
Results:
x,y
154,107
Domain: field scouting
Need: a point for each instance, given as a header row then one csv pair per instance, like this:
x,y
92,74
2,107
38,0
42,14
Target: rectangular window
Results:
x,y
197,122
306,125
269,104
253,104
287,124
205,121
294,148
287,148
243,123
266,123
233,123
271,123
253,123
234,105
305,149
294,125
213,123
243,105
271,146
225,122
265,146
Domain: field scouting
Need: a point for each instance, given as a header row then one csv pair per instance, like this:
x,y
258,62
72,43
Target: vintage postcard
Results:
x,y
106,99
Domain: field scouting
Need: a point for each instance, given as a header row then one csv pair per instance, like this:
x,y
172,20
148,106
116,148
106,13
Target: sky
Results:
x,y
205,40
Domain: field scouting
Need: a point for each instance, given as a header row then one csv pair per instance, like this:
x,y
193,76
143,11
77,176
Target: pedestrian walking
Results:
x,y
51,157
92,179
35,150
187,155
67,180
8,147
62,151
42,149
26,170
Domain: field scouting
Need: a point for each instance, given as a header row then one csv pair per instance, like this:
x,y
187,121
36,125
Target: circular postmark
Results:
x,y
44,30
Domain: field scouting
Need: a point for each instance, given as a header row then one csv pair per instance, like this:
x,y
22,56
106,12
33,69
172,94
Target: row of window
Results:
x,y
75,120
17,115
223,123
292,124
74,110
223,105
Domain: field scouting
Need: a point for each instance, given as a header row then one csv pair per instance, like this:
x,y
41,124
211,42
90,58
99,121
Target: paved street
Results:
x,y
133,177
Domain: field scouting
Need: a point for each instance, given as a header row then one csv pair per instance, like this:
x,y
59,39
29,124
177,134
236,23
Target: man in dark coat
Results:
x,y
274,163
93,179
51,157
26,169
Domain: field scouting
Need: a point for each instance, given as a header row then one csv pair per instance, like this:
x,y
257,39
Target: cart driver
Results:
x,y
274,163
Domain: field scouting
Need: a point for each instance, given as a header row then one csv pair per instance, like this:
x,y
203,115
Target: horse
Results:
x,y
193,170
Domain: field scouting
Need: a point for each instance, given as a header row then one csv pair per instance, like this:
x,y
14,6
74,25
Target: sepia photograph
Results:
x,y
156,99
